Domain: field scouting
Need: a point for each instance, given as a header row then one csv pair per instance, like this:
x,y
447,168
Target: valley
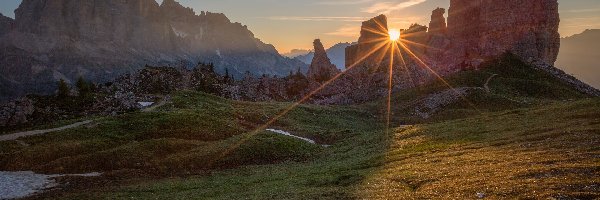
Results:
x,y
538,144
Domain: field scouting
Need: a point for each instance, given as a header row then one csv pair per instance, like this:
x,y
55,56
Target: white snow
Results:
x,y
145,104
15,185
218,53
297,137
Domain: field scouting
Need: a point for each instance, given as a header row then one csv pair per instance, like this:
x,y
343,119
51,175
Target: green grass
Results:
x,y
188,135
516,142
538,152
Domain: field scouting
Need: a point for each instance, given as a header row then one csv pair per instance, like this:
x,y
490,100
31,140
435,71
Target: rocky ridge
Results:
x,y
6,24
65,39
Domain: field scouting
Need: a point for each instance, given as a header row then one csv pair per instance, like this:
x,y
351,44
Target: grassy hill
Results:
x,y
518,133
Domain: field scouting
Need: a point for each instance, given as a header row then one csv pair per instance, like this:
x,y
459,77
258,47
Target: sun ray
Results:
x,y
293,106
439,77
375,31
405,66
390,88
374,40
420,45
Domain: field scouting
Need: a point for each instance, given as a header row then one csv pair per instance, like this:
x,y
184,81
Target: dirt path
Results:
x,y
487,83
15,136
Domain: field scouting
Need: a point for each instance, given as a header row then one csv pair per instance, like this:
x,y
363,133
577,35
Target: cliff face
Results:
x,y
65,39
321,69
47,25
476,30
6,24
488,28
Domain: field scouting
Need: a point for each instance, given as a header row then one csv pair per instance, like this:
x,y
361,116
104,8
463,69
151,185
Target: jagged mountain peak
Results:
x,y
101,39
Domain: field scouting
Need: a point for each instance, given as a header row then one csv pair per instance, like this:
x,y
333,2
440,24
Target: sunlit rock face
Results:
x,y
368,50
487,28
321,69
476,30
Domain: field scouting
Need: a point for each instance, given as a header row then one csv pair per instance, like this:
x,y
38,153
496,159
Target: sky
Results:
x,y
294,24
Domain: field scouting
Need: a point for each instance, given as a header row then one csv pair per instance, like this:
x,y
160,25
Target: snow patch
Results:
x,y
297,137
145,104
15,185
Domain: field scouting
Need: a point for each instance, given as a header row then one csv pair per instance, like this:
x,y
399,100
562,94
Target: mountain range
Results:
x,y
579,55
99,40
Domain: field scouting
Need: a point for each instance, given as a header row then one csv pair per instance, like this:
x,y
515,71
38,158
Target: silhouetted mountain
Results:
x,y
296,52
337,55
579,55
65,39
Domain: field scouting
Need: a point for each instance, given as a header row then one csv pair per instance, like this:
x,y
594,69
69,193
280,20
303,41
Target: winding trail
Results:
x,y
487,83
16,136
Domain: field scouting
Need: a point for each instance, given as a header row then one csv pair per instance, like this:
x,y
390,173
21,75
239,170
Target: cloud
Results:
x,y
318,18
346,31
387,7
344,2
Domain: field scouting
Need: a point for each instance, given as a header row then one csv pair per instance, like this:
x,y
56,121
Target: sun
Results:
x,y
394,34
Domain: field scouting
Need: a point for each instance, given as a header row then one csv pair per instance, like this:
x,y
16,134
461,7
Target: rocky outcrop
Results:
x,y
368,49
486,28
336,53
16,112
103,39
321,69
6,24
438,22
476,31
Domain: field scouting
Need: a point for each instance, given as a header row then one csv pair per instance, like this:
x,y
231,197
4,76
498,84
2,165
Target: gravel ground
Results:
x,y
14,185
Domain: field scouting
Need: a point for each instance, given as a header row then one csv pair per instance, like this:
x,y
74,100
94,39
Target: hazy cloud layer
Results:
x,y
387,7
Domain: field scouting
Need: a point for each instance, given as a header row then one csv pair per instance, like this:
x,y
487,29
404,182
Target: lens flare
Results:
x,y
394,34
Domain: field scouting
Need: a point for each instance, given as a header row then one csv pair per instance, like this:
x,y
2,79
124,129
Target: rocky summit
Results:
x,y
475,32
481,29
321,69
99,40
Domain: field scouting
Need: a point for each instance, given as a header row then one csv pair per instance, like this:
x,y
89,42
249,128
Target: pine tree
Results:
x,y
83,87
63,89
227,79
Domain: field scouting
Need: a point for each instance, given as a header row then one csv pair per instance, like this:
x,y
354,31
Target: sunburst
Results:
x,y
396,46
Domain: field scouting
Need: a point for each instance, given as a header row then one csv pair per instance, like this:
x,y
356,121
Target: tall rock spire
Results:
x,y
321,69
438,22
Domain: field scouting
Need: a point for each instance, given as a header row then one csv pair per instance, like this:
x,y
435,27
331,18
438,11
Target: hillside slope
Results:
x,y
517,133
